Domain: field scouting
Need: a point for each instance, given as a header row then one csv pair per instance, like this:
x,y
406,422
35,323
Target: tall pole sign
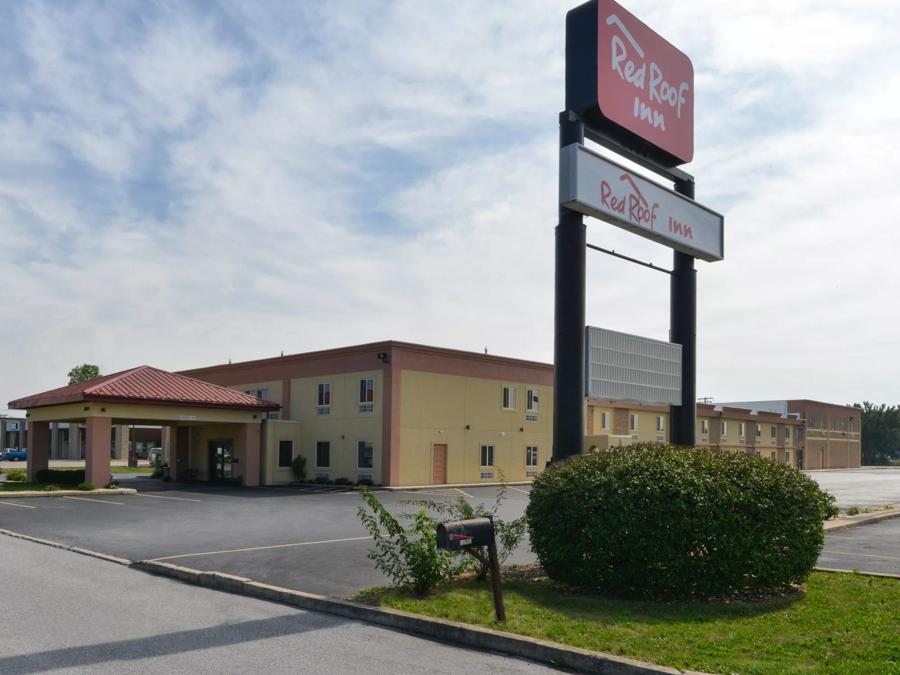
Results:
x,y
630,90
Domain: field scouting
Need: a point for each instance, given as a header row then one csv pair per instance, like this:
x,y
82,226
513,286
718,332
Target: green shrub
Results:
x,y
659,521
16,475
853,511
87,486
343,481
61,476
323,480
298,466
159,471
409,555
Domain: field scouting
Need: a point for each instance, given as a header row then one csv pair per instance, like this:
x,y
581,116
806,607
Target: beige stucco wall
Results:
x,y
275,431
436,408
343,427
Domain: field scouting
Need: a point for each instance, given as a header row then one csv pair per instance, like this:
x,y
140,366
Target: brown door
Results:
x,y
439,464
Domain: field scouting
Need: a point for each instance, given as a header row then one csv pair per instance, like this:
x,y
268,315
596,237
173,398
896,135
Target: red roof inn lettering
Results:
x,y
595,186
628,81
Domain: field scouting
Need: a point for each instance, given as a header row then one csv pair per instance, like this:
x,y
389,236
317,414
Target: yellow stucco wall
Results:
x,y
273,432
343,427
436,408
200,436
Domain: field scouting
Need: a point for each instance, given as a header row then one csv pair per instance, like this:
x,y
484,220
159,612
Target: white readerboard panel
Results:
x,y
627,367
595,186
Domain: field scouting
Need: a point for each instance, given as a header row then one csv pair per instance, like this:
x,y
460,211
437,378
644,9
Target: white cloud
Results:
x,y
182,184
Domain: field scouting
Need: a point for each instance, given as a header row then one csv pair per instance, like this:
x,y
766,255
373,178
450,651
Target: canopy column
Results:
x,y
97,453
39,453
250,441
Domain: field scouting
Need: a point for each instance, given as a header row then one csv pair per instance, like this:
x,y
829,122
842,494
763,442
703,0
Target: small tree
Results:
x,y
298,466
83,373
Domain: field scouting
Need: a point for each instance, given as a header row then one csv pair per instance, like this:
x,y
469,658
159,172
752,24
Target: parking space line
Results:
x,y
99,501
524,492
21,506
259,548
853,554
180,499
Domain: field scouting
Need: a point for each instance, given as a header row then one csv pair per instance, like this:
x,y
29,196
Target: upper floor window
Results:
x,y
774,431
324,394
724,428
532,400
660,423
603,423
633,422
508,401
704,426
740,429
367,391
787,433
759,430
852,424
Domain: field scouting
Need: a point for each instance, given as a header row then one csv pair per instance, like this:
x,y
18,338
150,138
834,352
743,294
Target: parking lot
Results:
x,y
311,538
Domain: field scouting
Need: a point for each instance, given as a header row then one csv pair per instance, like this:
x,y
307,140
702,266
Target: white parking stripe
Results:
x,y
99,501
513,487
180,499
260,548
21,506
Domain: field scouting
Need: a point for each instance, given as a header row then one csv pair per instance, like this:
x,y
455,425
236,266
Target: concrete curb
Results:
x,y
862,519
884,575
447,486
28,494
465,635
66,547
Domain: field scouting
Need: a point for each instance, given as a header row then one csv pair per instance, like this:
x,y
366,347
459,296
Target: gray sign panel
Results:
x,y
598,187
627,367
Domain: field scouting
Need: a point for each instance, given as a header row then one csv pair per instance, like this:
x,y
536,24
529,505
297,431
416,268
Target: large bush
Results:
x,y
660,521
61,476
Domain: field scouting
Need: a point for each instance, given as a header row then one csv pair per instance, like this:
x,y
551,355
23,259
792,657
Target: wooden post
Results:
x,y
499,609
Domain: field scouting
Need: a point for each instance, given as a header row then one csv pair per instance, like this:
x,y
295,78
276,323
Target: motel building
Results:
x,y
399,415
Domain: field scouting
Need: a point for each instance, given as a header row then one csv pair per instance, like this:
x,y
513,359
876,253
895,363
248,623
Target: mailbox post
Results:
x,y
471,536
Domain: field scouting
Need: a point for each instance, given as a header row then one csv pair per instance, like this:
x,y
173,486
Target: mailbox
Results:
x,y
459,535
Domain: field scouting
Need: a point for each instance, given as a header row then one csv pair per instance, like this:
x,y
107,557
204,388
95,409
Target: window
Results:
x,y
759,430
531,455
660,424
285,453
741,429
758,454
787,433
323,454
724,428
774,456
365,454
852,425
633,422
509,398
324,398
367,391
532,400
258,393
787,457
603,422
704,426
799,433
487,455
774,431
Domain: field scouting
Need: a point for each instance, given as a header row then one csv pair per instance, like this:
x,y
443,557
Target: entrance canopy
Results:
x,y
150,396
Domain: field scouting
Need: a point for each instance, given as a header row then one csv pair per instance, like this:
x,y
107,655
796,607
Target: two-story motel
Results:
x,y
402,414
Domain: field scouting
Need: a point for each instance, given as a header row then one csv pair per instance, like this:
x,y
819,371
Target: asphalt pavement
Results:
x,y
74,614
873,547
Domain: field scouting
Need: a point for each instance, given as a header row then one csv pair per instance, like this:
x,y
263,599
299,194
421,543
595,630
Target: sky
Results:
x,y
184,183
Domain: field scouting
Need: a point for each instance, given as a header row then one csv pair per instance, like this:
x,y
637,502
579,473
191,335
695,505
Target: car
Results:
x,y
14,455
155,456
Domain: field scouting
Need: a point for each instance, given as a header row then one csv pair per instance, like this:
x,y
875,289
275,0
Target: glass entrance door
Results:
x,y
221,462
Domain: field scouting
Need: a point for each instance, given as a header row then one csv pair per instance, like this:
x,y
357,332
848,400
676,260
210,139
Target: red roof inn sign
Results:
x,y
626,79
595,186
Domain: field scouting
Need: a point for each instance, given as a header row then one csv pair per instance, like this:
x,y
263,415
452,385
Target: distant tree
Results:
x,y
880,432
83,373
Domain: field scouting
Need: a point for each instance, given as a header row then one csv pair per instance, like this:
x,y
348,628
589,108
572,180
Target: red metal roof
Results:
x,y
147,385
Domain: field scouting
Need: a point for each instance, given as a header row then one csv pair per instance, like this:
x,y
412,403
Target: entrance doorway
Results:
x,y
439,464
221,461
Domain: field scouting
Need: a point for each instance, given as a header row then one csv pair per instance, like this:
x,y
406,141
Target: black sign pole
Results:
x,y
683,328
568,332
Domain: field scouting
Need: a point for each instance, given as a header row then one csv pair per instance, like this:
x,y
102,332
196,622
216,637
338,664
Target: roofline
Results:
x,y
266,406
385,345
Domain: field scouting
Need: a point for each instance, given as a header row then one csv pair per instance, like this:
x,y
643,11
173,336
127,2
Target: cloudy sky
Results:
x,y
182,184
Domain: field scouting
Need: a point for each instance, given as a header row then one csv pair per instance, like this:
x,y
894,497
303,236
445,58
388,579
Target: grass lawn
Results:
x,y
843,623
23,487
131,469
